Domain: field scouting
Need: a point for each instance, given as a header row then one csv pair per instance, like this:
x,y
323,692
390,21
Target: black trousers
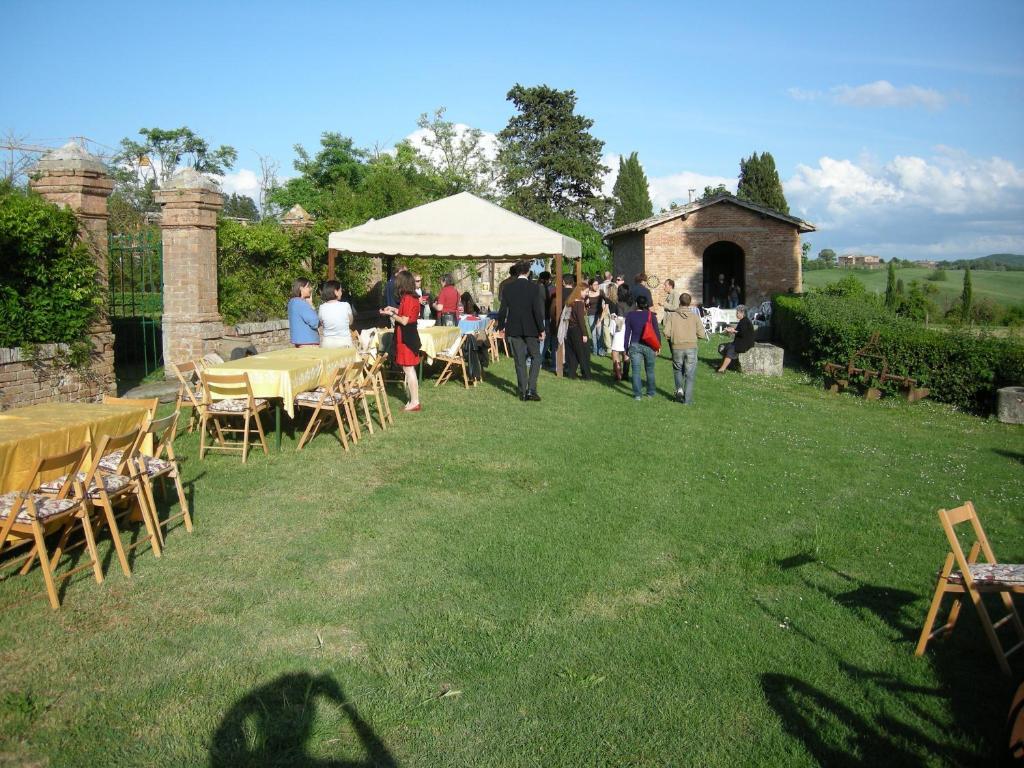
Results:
x,y
523,346
576,353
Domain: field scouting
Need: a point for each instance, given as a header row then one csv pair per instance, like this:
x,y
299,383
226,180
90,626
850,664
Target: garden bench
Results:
x,y
858,369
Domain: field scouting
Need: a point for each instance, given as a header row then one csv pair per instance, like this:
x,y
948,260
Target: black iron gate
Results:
x,y
136,302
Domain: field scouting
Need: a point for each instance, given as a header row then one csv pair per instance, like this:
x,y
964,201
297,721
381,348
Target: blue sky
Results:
x,y
896,127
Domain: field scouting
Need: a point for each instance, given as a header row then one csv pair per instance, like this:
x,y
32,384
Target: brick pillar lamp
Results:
x,y
190,202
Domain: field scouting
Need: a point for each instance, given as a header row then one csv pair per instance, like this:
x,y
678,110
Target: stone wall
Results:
x,y
675,249
28,377
266,336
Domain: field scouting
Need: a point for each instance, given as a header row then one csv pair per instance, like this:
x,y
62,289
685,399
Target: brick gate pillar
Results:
x,y
73,178
190,204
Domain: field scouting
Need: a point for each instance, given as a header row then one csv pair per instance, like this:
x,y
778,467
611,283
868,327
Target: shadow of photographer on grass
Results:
x,y
274,725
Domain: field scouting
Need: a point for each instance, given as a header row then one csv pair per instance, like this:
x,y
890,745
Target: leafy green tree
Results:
x,y
759,182
241,207
595,256
327,181
967,297
549,161
718,191
459,159
827,256
163,151
805,249
338,160
632,199
890,286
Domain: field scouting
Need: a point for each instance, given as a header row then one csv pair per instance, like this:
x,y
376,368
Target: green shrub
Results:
x,y
938,276
256,264
48,288
960,368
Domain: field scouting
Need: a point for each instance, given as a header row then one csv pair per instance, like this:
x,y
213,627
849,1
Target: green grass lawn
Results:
x,y
587,580
1005,288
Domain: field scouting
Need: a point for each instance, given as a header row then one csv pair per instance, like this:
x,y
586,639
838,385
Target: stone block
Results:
x,y
762,359
1010,405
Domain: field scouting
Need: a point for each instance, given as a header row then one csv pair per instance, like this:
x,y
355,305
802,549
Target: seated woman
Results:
x,y
742,341
303,323
335,317
469,307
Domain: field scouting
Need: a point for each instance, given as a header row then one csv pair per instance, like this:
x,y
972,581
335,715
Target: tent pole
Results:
x,y
560,354
579,270
332,254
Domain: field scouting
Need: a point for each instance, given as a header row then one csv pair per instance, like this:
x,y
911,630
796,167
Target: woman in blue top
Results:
x,y
303,321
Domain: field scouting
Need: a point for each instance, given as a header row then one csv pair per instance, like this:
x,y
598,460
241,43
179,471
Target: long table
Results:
x,y
282,374
48,429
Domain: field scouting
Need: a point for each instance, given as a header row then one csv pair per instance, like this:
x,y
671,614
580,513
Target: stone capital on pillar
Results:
x,y
72,177
191,321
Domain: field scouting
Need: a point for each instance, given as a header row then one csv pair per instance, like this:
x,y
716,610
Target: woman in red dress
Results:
x,y
407,339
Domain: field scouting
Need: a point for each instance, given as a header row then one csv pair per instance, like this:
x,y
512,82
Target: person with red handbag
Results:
x,y
642,342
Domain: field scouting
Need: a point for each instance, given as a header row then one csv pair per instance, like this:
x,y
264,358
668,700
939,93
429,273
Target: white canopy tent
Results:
x,y
462,226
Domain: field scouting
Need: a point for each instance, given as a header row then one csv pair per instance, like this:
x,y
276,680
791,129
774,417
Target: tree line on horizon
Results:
x,y
548,168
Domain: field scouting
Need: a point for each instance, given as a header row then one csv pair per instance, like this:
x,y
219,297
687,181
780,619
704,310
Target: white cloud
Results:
x,y
675,187
948,204
242,182
801,94
880,93
665,190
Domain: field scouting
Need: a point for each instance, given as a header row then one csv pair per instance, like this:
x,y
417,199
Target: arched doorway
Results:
x,y
725,259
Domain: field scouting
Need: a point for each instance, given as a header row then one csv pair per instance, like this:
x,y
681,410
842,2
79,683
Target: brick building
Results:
x,y
694,244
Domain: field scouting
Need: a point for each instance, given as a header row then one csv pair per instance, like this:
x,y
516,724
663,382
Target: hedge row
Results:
x,y
256,264
48,288
958,367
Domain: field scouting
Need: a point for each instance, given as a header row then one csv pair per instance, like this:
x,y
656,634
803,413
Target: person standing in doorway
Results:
x,y
522,320
682,330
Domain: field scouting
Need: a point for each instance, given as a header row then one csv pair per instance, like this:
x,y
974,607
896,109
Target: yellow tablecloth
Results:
x,y
432,340
49,429
285,373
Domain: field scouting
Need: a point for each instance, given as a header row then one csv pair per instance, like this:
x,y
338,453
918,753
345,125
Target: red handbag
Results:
x,y
649,336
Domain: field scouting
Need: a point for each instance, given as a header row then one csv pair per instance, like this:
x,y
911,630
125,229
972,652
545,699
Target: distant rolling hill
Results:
x,y
993,261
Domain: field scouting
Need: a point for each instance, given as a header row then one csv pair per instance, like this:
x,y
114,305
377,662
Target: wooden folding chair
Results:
x,y
107,488
372,385
27,517
974,579
235,400
494,338
380,386
161,465
453,358
190,391
352,388
326,401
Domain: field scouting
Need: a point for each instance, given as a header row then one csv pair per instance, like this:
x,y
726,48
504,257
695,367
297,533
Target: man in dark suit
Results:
x,y
522,320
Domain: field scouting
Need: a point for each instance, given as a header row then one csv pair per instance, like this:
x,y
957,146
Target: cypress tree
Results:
x,y
632,199
967,297
899,287
890,286
759,182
